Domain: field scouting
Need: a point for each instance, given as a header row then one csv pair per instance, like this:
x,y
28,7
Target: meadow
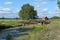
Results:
x,y
36,32
49,32
10,22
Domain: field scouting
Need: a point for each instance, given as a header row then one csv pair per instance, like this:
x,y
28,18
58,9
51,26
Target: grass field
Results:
x,y
52,32
12,22
41,32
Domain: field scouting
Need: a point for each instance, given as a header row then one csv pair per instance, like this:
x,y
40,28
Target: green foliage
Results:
x,y
9,23
27,12
46,22
55,17
58,4
9,37
38,29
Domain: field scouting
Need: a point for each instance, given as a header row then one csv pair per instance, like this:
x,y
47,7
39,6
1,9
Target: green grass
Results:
x,y
11,22
48,33
38,29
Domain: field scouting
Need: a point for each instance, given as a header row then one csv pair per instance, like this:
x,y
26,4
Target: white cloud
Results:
x,y
5,10
8,10
40,3
57,9
8,3
53,12
38,0
43,2
17,10
45,10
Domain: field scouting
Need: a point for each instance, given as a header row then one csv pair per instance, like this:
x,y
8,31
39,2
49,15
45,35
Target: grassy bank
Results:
x,y
48,32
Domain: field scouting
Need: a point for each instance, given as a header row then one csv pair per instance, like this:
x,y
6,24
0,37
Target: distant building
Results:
x,y
44,18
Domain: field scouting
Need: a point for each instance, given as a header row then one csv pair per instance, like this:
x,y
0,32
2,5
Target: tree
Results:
x,y
27,12
58,2
55,17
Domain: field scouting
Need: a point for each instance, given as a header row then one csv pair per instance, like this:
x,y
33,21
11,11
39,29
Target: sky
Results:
x,y
11,8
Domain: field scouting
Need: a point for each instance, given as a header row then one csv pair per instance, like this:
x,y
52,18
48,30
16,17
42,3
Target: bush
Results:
x,y
4,26
46,22
20,25
9,37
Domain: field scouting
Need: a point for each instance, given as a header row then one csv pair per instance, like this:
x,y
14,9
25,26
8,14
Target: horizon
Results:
x,y
11,8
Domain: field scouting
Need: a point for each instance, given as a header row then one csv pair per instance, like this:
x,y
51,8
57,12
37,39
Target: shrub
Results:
x,y
46,22
9,37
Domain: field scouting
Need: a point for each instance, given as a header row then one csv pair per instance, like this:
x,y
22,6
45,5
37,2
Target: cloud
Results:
x,y
57,9
5,9
43,2
45,10
8,11
17,10
8,3
38,4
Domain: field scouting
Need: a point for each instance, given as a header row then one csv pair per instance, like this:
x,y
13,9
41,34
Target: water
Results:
x,y
13,32
6,32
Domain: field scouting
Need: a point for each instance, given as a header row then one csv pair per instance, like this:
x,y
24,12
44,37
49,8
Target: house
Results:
x,y
44,18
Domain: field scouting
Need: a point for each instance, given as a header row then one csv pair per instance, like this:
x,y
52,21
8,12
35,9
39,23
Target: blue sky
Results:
x,y
10,8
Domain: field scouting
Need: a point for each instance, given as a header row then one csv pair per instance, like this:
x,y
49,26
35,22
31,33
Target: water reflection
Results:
x,y
14,32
